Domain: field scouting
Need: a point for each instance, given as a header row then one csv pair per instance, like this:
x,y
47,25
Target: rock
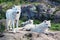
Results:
x,y
34,0
28,35
1,35
25,35
51,10
28,11
42,8
57,17
28,29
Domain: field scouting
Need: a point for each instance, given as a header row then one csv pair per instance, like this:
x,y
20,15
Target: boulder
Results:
x,y
57,17
42,8
28,11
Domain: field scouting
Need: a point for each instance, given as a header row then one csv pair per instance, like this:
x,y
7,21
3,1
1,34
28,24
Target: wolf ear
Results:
x,y
45,21
13,6
49,20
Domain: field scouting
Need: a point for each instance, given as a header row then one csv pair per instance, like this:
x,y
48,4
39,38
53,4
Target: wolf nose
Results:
x,y
48,27
17,12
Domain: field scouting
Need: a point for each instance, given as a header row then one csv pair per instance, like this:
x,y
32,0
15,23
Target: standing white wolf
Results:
x,y
13,15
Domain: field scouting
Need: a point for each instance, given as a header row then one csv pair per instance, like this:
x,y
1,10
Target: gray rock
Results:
x,y
31,36
42,8
28,11
57,17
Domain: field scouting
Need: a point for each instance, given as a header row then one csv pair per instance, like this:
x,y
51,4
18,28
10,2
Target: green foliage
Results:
x,y
5,6
52,17
2,27
2,14
36,21
20,21
1,1
22,1
55,26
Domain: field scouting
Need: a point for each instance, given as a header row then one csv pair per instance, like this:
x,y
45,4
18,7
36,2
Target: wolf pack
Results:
x,y
12,21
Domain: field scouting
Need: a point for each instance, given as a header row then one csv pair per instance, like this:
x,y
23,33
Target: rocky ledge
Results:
x,y
26,35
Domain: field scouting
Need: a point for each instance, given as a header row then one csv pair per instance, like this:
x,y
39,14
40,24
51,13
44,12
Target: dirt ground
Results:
x,y
26,35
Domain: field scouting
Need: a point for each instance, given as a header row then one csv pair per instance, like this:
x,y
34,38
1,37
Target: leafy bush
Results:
x,y
36,21
4,8
2,27
55,26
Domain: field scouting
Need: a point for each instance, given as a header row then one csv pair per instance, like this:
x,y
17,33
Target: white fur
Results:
x,y
42,27
28,22
11,16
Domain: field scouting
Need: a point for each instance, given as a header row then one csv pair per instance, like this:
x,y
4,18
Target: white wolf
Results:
x,y
42,27
13,15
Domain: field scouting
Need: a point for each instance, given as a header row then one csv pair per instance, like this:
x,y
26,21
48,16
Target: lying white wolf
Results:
x,y
42,27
